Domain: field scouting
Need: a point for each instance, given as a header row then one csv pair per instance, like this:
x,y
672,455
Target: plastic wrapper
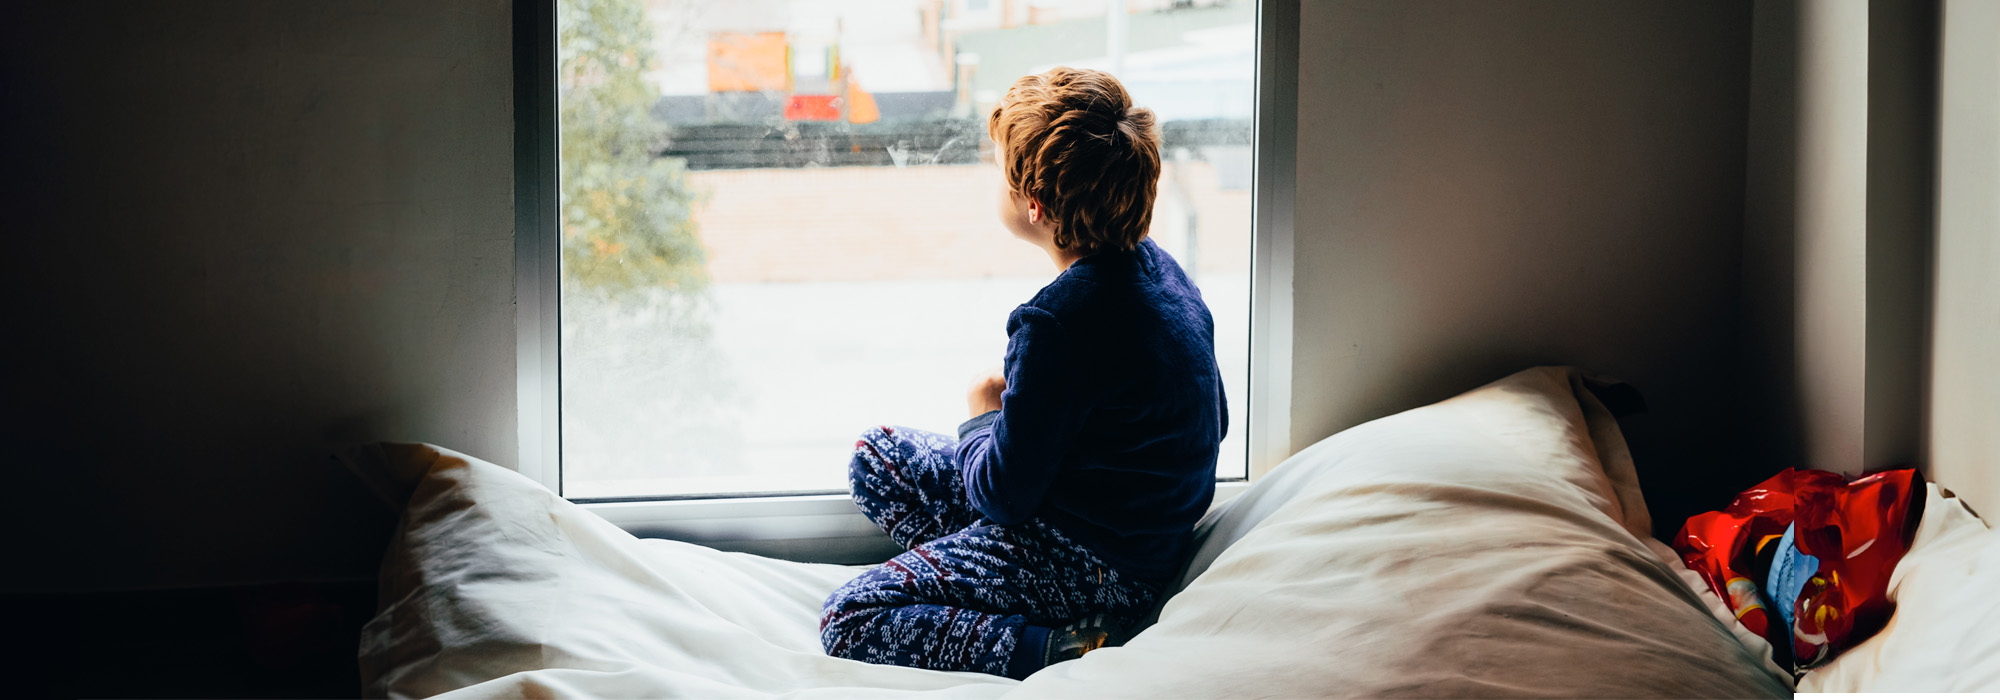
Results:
x,y
1804,558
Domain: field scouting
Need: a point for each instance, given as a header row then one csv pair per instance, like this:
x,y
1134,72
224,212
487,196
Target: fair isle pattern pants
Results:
x,y
969,595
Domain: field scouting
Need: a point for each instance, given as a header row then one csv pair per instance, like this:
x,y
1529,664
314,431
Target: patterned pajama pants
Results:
x,y
969,595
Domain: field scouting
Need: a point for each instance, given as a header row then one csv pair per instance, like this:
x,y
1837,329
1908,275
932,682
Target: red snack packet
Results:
x,y
1723,545
1853,533
1858,530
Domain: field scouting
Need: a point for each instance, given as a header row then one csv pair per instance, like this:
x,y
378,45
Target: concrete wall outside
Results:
x,y
244,232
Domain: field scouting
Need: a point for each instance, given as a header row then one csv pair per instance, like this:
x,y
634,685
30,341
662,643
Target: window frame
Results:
x,y
827,527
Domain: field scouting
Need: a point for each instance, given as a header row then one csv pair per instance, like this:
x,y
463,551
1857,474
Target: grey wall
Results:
x,y
1486,186
239,232
1964,401
1829,234
1771,388
244,231
1838,231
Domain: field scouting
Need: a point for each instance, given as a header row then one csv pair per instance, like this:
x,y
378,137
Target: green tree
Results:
x,y
627,215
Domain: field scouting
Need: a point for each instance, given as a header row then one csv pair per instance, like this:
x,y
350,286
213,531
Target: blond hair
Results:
x,y
1071,140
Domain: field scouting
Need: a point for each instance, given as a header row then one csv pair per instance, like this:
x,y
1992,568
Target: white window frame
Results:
x,y
828,528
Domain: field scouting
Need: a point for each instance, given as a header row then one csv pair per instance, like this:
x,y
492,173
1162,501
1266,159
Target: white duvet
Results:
x,y
1492,545
1945,634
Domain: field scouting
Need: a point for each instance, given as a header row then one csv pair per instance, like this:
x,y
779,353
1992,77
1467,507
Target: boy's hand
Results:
x,y
984,395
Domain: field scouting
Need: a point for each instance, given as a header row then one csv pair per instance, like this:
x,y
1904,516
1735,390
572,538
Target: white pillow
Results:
x,y
1945,634
1488,545
1478,547
1585,418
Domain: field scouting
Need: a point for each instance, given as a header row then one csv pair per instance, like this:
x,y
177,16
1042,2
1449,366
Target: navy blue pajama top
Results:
x,y
1113,412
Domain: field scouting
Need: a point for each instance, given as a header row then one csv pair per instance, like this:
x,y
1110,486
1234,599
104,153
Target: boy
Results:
x,y
1068,500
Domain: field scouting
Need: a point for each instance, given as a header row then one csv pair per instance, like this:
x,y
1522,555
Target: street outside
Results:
x,y
812,333
805,367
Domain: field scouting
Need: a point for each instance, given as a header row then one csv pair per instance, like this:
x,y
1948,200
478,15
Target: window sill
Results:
x,y
820,529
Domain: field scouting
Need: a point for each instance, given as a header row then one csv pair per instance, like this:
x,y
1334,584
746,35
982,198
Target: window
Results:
x,y
749,230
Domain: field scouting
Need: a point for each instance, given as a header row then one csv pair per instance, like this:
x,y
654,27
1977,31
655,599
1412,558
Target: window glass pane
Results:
x,y
780,219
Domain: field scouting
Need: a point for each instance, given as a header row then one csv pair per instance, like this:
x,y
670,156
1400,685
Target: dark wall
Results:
x,y
238,233
285,640
1486,186
245,231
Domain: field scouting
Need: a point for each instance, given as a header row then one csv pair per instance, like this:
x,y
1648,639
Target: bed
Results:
x,y
1492,545
1944,636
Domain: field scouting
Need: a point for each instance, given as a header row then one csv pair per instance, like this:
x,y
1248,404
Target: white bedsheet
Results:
x,y
1945,634
1487,546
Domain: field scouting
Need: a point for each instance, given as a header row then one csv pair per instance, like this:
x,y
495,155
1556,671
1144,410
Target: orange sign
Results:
x,y
747,62
861,107
812,108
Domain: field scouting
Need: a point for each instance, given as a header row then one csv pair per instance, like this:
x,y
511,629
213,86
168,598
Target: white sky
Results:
x,y
881,40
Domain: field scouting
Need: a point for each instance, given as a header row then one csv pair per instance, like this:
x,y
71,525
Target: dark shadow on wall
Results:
x,y
1768,404
285,640
1682,477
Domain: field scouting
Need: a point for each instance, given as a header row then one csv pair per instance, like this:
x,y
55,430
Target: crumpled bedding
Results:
x,y
1945,634
1491,545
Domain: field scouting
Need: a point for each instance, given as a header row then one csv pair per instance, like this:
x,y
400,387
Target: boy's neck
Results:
x,y
1062,258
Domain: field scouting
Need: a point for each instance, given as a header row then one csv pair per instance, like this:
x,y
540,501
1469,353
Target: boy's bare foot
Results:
x,y
1081,637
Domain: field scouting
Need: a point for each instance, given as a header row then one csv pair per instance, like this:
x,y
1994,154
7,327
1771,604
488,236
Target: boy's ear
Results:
x,y
1034,211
